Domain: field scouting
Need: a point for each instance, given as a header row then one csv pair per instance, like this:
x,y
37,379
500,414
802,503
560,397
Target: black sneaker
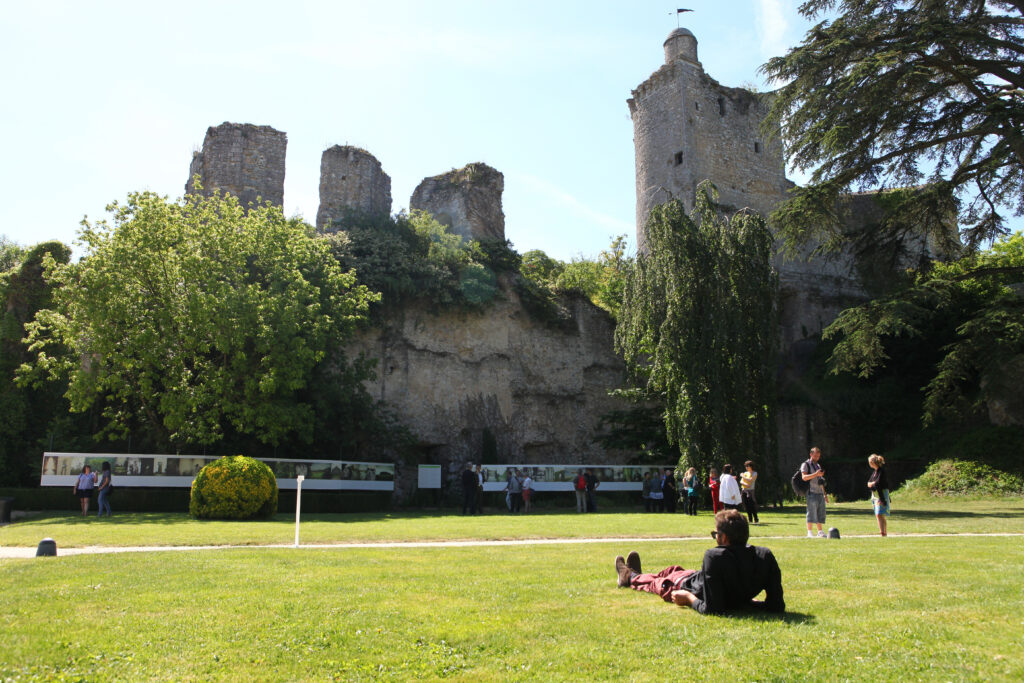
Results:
x,y
633,562
624,572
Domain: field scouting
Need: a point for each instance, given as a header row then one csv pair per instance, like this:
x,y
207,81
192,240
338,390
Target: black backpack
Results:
x,y
800,487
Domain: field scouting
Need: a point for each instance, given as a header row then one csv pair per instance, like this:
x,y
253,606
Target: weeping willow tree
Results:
x,y
698,331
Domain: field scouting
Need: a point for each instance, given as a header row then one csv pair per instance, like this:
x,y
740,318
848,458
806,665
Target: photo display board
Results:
x,y
170,471
561,477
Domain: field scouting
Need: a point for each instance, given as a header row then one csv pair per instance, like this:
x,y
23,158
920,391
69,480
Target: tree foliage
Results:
x,y
195,320
26,413
969,314
413,257
698,328
891,93
602,280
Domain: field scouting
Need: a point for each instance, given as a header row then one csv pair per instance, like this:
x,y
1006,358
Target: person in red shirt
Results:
x,y
716,505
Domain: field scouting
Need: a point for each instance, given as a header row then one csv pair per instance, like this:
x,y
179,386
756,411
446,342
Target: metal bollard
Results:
x,y
47,548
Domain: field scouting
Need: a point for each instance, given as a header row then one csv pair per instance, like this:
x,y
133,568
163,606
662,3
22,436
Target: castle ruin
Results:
x,y
351,180
243,160
467,200
457,381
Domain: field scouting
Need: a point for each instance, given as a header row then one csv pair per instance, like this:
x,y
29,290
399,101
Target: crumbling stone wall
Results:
x,y
467,200
351,180
241,159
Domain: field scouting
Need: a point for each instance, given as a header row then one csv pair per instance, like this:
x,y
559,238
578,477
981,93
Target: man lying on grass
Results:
x,y
732,575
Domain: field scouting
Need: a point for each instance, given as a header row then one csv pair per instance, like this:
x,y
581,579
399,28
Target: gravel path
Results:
x,y
21,552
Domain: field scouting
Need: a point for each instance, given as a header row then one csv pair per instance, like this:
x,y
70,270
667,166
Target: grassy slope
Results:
x,y
865,609
924,516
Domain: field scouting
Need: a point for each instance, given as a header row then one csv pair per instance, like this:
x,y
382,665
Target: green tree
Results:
x,y
697,329
968,315
194,320
26,413
926,93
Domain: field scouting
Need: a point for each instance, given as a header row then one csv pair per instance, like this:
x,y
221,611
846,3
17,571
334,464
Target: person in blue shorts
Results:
x,y
879,485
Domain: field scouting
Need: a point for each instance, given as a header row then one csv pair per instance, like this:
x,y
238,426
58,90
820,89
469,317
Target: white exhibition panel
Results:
x,y
164,471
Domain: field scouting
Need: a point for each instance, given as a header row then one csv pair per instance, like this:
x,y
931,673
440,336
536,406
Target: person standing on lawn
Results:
x,y
527,492
814,475
469,488
691,486
103,492
713,483
645,491
579,487
748,480
731,576
729,493
879,485
668,487
83,488
592,484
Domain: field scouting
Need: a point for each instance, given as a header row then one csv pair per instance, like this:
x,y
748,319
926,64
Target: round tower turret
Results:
x,y
681,44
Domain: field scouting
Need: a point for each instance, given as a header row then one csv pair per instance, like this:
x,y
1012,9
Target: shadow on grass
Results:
x,y
789,618
931,514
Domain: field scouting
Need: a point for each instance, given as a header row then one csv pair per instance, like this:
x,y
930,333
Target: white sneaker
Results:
x,y
810,534
821,534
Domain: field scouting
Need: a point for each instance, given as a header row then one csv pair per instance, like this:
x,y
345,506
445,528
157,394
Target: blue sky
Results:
x,y
100,99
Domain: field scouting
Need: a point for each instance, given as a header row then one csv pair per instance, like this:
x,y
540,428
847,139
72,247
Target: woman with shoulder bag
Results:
x,y
83,488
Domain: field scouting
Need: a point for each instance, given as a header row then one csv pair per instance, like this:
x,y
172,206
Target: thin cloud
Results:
x,y
773,27
571,203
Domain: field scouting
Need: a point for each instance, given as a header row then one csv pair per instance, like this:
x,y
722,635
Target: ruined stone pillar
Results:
x,y
243,160
351,181
467,200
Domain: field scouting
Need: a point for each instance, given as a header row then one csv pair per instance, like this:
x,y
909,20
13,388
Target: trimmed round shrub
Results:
x,y
234,487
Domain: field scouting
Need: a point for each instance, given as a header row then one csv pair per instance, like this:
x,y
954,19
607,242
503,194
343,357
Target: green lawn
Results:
x,y
70,530
942,608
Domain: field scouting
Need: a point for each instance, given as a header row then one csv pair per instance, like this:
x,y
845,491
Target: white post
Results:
x,y
298,505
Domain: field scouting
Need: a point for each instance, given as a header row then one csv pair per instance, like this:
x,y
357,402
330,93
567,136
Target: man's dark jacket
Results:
x,y
732,576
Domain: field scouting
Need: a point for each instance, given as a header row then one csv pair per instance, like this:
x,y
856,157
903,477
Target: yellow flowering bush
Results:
x,y
234,487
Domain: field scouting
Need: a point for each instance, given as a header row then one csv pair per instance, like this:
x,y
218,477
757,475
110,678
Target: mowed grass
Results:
x,y
164,529
944,608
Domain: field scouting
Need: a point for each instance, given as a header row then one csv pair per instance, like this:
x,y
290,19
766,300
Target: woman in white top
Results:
x,y
729,491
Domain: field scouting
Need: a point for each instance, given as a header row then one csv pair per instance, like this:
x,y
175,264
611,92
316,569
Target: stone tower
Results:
x,y
467,200
688,128
241,159
351,180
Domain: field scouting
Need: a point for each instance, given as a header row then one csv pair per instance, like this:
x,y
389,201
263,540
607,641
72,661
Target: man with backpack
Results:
x,y
814,475
579,486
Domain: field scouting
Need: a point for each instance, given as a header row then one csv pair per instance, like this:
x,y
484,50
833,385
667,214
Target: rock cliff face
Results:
x,y
468,200
537,392
241,159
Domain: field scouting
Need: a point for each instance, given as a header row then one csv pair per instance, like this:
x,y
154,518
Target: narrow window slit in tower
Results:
x,y
679,158
721,106
757,148
696,106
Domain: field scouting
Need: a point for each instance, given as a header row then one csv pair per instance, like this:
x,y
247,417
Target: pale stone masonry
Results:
x,y
351,181
688,128
467,200
243,160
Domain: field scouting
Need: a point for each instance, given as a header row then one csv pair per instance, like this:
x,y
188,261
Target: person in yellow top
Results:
x,y
748,480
